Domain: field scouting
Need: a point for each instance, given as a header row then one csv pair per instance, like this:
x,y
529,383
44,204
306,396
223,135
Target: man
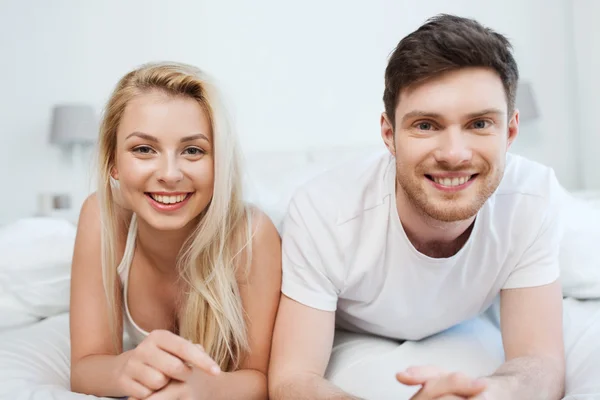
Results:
x,y
445,222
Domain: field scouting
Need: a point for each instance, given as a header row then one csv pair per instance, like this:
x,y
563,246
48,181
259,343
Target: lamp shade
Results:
x,y
73,124
526,103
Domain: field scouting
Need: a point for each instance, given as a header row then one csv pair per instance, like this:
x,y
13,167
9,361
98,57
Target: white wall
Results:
x,y
298,74
587,55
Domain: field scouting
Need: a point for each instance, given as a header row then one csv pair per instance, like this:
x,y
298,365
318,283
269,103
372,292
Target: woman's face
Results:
x,y
164,159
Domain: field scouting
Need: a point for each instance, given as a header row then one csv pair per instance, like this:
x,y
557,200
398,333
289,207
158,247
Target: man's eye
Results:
x,y
424,126
480,124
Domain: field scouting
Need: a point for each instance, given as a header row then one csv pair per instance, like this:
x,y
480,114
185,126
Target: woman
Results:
x,y
168,251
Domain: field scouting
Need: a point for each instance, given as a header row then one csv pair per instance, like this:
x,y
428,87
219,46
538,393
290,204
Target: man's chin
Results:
x,y
451,215
450,211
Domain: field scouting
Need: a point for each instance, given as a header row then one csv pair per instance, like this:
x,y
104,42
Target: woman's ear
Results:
x,y
114,173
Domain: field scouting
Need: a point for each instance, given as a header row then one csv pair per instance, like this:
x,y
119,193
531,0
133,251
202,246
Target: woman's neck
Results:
x,y
161,248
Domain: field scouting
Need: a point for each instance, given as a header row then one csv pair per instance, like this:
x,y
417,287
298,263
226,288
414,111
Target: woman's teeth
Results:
x,y
450,182
168,199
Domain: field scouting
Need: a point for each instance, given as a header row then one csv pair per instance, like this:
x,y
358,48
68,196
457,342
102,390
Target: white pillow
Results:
x,y
272,178
579,255
35,265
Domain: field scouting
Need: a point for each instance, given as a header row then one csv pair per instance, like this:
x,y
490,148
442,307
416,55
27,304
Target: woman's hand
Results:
x,y
174,390
161,358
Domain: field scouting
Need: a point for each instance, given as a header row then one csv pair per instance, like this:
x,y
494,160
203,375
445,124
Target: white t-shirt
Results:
x,y
344,249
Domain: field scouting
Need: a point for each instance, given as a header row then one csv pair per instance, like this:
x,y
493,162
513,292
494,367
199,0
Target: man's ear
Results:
x,y
513,128
387,133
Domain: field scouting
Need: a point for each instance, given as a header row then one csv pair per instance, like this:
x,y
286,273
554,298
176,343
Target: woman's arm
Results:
x,y
260,291
94,359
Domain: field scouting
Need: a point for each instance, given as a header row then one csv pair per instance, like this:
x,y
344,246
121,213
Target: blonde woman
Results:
x,y
168,252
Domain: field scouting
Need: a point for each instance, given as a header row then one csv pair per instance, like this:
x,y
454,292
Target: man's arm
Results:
x,y
532,333
302,343
531,320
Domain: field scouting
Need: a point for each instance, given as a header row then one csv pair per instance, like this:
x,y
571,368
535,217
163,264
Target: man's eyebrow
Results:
x,y
434,115
487,111
421,114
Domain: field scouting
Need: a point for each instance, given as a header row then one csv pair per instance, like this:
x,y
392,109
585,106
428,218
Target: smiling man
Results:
x,y
409,243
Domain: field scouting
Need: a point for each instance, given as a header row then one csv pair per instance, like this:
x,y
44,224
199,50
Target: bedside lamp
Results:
x,y
73,125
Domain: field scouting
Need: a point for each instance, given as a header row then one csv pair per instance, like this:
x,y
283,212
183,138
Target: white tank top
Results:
x,y
135,333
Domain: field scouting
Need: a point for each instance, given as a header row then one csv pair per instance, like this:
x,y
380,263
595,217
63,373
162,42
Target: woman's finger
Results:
x,y
136,390
150,376
170,365
185,351
173,391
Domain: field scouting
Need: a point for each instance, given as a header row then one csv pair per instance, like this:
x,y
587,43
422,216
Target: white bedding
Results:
x,y
34,360
34,356
365,366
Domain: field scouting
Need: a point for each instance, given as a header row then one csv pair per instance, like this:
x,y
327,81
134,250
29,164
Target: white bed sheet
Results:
x,y
12,318
366,366
34,356
34,360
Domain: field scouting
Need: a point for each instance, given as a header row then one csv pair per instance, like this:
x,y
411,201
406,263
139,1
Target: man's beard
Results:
x,y
448,207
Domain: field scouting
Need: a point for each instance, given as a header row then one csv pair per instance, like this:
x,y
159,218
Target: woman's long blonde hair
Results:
x,y
212,313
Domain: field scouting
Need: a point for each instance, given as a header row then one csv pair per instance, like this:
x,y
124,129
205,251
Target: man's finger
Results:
x,y
419,375
456,384
187,351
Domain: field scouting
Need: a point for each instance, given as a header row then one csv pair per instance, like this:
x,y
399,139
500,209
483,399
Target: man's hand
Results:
x,y
441,385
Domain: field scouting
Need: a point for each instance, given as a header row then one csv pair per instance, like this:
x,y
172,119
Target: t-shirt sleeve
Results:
x,y
305,237
539,264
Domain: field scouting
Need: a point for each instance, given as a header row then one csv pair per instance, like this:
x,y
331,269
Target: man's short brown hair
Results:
x,y
444,43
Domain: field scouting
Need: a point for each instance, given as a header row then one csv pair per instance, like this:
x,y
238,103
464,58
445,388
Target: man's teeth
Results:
x,y
168,199
450,182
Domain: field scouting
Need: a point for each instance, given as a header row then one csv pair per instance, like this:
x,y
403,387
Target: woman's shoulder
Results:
x,y
90,217
262,228
264,244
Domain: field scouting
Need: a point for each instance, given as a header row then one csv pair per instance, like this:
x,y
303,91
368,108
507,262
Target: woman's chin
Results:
x,y
167,223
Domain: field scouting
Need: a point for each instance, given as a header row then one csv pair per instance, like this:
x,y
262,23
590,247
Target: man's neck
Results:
x,y
433,238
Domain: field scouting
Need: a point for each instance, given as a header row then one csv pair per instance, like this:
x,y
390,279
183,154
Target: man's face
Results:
x,y
450,141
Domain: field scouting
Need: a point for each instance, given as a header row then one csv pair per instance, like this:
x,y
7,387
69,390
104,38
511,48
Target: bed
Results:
x,y
34,320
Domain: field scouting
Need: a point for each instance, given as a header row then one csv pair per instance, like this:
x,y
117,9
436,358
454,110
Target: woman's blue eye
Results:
x,y
143,149
194,151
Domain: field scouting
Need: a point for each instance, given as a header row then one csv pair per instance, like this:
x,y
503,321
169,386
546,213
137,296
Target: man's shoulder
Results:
x,y
349,188
524,177
528,195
